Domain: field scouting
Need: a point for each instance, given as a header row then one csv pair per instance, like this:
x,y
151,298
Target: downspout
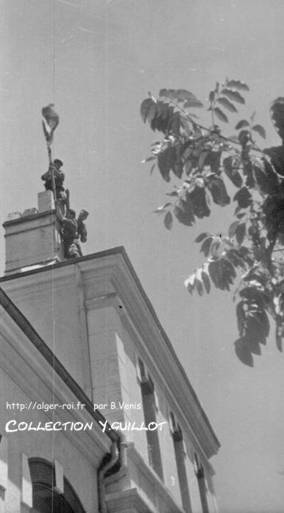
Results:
x,y
115,460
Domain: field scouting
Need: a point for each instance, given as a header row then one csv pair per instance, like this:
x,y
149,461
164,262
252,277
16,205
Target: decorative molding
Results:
x,y
163,498
129,501
59,477
83,333
3,466
27,485
193,437
162,354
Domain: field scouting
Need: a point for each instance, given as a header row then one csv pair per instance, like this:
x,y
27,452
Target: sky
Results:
x,y
97,60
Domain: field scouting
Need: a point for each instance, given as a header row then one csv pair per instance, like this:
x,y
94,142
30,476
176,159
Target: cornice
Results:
x,y
31,217
116,269
120,502
134,306
99,256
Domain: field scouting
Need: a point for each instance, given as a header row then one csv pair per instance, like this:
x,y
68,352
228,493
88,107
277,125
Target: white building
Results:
x,y
81,335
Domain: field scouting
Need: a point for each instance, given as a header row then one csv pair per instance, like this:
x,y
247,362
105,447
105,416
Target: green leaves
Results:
x,y
237,258
265,177
168,220
233,95
200,159
231,168
168,161
206,281
181,95
279,333
223,260
192,202
220,115
253,322
222,273
218,190
259,296
240,233
148,109
259,130
243,197
198,281
242,124
276,154
277,116
243,352
201,237
206,246
169,113
237,84
226,96
227,104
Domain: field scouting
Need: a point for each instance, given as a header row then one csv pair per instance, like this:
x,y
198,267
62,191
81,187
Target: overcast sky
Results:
x,y
96,60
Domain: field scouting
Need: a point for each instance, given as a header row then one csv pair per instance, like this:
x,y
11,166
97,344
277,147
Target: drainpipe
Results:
x,y
115,460
199,472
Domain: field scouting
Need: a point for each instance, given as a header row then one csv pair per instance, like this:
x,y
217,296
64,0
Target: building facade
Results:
x,y
83,332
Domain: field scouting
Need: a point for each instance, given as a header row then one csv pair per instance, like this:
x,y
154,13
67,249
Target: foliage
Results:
x,y
203,161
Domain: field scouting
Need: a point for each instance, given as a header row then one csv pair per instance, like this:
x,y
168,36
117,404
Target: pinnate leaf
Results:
x,y
194,103
243,197
240,233
201,237
279,334
215,247
181,95
206,281
279,340
236,258
199,286
148,109
206,245
168,220
232,171
233,95
266,178
232,229
211,96
277,115
227,104
237,84
218,191
222,273
167,162
243,123
243,352
259,130
162,208
190,283
220,115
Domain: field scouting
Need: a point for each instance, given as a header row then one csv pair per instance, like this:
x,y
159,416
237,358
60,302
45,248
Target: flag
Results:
x,y
49,122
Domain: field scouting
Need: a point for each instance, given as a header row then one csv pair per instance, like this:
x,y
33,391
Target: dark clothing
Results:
x,y
58,180
70,238
82,230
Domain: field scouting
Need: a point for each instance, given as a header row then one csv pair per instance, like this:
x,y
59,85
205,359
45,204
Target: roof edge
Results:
x,y
26,327
169,345
120,250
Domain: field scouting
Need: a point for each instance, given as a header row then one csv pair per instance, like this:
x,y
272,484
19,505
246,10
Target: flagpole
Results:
x,y
51,171
49,124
